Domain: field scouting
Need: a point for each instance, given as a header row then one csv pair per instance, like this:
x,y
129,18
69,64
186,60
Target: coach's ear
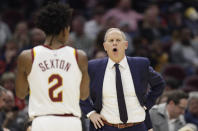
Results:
x,y
105,45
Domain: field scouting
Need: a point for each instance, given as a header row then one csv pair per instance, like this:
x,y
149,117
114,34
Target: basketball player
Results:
x,y
55,73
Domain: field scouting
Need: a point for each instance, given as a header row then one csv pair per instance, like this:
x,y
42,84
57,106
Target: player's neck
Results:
x,y
54,43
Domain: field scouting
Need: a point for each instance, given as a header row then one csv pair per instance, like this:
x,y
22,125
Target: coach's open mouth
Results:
x,y
115,49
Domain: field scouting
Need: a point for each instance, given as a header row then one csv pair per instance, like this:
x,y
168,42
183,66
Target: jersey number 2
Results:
x,y
58,84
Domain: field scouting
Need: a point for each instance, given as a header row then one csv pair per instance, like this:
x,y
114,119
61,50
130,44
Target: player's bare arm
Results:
x,y
83,65
24,64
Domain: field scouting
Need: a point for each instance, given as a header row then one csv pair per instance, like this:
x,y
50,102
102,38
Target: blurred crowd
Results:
x,y
165,31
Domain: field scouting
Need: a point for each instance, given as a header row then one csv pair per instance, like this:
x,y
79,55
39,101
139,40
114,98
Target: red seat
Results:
x,y
175,71
191,83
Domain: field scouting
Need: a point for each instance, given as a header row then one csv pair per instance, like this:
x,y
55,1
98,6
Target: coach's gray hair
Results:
x,y
2,90
112,29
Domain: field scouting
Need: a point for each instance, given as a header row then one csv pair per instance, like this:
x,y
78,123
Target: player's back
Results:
x,y
54,82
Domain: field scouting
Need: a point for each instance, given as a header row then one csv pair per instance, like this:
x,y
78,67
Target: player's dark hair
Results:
x,y
53,18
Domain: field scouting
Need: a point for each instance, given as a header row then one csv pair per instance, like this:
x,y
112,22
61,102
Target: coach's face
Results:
x,y
115,45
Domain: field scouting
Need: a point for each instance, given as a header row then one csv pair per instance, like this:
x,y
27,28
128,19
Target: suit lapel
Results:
x,y
101,71
134,73
100,78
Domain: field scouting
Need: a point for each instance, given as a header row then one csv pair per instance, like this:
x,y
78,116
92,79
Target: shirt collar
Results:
x,y
123,63
170,120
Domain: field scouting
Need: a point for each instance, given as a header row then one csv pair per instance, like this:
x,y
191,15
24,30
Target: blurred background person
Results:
x,y
124,13
2,106
166,116
5,33
188,127
8,57
94,25
79,39
13,118
21,34
191,114
37,37
8,81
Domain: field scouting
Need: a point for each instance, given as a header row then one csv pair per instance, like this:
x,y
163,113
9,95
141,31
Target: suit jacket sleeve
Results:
x,y
147,121
87,105
157,85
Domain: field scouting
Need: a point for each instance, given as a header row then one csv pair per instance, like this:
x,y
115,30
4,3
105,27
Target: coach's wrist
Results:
x,y
89,114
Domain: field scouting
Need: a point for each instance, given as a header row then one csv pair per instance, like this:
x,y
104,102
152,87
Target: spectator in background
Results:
x,y
123,13
8,81
2,97
2,105
79,38
7,113
8,58
37,37
100,54
21,34
98,46
166,117
189,127
151,27
174,18
163,98
182,52
191,114
9,101
111,22
5,33
94,26
13,117
125,28
191,20
158,57
141,46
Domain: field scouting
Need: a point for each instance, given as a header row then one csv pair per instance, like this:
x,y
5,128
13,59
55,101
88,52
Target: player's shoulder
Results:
x,y
25,54
80,52
81,55
24,59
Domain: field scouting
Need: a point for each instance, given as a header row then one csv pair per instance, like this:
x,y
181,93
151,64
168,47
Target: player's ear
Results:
x,y
68,29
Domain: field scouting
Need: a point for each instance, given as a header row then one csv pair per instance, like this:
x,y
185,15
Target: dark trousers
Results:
x,y
139,127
